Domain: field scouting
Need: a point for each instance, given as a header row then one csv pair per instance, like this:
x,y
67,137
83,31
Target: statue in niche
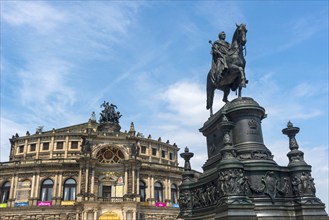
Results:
x,y
86,146
135,148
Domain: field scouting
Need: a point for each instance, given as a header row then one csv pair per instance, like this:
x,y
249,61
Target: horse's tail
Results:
x,y
210,91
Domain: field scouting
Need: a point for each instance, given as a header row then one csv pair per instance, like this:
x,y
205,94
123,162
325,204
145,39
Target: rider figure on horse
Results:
x,y
228,65
219,51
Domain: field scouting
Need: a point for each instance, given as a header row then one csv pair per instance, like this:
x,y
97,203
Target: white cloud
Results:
x,y
289,104
38,15
7,129
53,52
45,88
185,102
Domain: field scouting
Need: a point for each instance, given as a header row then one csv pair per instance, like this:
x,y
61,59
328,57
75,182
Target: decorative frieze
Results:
x,y
303,185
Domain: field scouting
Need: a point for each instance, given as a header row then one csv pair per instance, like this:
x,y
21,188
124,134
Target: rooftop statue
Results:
x,y
109,113
228,64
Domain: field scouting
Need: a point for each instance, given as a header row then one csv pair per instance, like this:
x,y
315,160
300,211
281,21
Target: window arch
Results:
x,y
110,155
142,193
4,192
46,190
69,191
174,193
158,192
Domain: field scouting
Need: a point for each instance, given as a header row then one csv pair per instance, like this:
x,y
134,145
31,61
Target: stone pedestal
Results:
x,y
247,136
240,179
109,127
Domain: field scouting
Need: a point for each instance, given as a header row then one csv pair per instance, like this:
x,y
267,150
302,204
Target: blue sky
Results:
x,y
61,60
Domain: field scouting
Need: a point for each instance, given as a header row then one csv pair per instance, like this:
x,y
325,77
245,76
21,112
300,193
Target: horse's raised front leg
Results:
x,y
226,91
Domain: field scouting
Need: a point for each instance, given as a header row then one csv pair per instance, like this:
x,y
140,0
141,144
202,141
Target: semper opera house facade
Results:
x,y
90,171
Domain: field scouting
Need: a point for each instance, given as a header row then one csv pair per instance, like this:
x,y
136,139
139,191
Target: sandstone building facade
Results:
x,y
90,171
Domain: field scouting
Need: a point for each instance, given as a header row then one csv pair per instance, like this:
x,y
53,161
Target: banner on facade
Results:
x,y
67,203
175,205
44,203
19,204
160,204
3,205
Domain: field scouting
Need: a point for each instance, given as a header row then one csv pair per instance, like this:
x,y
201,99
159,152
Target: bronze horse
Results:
x,y
234,78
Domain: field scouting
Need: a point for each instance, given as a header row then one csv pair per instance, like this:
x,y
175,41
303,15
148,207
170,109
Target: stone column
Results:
x,y
66,148
92,181
126,182
152,189
95,213
86,178
148,189
133,182
137,182
33,186
25,147
51,147
124,214
12,182
79,181
37,186
15,189
60,185
11,193
169,192
55,189
37,149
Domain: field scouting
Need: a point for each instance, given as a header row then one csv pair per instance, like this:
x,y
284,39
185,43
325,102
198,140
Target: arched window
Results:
x,y
174,193
4,192
46,190
110,155
69,189
142,192
158,192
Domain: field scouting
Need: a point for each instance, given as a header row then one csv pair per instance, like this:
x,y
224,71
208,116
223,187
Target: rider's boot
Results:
x,y
243,83
243,79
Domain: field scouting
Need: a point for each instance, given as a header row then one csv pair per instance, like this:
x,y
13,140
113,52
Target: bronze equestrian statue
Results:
x,y
228,65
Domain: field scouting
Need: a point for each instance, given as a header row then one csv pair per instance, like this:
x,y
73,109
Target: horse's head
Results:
x,y
240,34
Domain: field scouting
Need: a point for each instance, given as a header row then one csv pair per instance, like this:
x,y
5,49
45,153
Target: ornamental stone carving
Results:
x,y
232,182
303,185
270,185
185,200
